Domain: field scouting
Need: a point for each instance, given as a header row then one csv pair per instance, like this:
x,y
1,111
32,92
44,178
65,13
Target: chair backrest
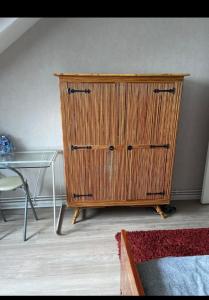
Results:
x,y
13,171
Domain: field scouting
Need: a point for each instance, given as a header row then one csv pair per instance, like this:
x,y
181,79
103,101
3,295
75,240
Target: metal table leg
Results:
x,y
54,196
37,183
60,218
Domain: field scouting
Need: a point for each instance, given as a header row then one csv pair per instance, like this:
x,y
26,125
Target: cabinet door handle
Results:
x,y
130,147
111,148
165,91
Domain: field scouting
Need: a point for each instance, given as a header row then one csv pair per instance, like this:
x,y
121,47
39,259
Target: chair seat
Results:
x,y
10,183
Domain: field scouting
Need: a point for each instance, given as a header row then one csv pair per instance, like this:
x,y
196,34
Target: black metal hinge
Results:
x,y
163,91
73,147
160,193
80,195
72,91
160,146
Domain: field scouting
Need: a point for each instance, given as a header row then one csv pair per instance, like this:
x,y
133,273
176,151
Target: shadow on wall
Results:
x,y
192,136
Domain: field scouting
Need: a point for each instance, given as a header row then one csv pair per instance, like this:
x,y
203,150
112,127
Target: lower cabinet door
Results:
x,y
96,175
146,173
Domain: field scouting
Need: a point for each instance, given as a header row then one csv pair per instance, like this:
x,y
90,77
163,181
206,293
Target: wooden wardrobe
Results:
x,y
119,135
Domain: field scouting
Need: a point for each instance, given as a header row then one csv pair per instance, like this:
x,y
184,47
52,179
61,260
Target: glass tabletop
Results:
x,y
28,159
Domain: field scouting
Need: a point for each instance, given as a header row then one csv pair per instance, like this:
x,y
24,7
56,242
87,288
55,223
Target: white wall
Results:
x,y
29,93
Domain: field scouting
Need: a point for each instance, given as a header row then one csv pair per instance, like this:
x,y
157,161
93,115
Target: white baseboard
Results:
x,y
43,201
186,195
46,201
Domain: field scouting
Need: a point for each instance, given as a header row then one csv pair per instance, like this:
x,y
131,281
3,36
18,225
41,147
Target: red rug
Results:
x,y
147,245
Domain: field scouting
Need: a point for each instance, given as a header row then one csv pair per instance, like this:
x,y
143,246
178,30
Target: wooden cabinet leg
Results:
x,y
160,212
75,215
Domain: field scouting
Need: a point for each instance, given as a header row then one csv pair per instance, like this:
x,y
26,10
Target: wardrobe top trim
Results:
x,y
122,75
113,78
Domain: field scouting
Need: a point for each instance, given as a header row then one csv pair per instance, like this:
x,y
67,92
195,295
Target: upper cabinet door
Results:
x,y
94,113
152,111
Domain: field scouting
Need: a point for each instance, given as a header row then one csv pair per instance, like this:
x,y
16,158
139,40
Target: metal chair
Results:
x,y
9,183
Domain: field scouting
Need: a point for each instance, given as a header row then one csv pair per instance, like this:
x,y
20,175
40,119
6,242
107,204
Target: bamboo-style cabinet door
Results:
x,y
152,113
94,127
96,175
145,175
94,113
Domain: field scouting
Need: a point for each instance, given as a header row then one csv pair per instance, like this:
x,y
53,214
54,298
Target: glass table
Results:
x,y
33,159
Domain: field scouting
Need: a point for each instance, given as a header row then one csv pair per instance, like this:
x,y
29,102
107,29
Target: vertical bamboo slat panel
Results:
x,y
151,116
151,120
93,117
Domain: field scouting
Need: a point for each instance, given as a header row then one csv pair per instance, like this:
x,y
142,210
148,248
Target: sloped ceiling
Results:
x,y
12,28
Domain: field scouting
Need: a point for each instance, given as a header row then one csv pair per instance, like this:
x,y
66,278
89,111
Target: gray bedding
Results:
x,y
169,276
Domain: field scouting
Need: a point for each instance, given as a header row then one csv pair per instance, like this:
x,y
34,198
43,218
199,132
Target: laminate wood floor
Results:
x,y
84,259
